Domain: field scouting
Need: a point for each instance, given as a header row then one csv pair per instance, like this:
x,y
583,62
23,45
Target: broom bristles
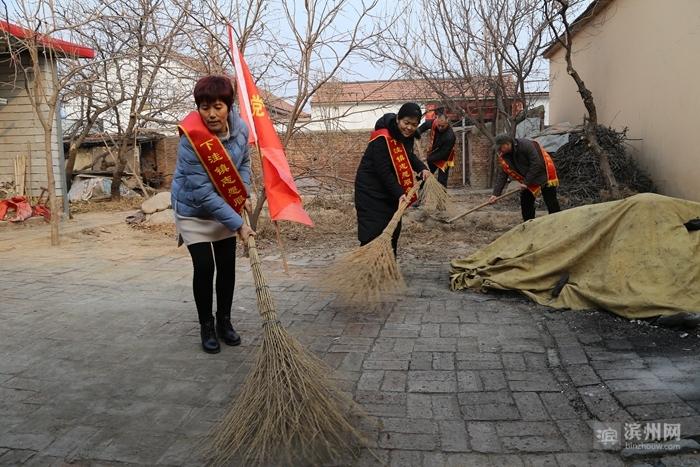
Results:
x,y
287,409
433,196
366,274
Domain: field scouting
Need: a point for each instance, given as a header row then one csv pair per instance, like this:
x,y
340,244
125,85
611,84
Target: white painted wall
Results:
x,y
639,58
361,116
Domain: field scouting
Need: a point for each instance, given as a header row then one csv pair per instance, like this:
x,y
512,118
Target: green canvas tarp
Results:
x,y
634,257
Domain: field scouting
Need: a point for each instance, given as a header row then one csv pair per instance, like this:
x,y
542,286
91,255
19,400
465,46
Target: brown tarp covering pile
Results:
x,y
634,257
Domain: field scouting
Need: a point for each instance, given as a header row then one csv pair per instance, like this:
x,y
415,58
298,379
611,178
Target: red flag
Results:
x,y
283,200
243,91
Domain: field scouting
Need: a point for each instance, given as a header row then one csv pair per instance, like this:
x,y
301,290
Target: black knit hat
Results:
x,y
409,109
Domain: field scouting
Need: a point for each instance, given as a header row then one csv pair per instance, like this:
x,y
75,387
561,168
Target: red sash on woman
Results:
x,y
450,162
399,158
216,160
552,179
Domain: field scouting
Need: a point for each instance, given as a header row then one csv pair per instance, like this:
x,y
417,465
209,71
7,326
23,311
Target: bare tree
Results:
x,y
317,46
556,11
293,49
36,56
141,81
87,108
476,55
324,38
207,24
141,36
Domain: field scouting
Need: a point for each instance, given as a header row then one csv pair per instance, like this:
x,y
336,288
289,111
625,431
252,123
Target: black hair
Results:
x,y
409,109
503,139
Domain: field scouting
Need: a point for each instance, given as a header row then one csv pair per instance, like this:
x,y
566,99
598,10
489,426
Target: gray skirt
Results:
x,y
192,230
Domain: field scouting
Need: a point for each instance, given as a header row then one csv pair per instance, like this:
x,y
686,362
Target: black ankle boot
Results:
x,y
226,332
209,342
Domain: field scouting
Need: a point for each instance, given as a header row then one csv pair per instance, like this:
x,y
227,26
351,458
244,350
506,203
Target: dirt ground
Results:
x,y
424,236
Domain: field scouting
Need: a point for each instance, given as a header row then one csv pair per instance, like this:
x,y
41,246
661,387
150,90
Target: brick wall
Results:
x,y
480,160
338,153
334,153
165,158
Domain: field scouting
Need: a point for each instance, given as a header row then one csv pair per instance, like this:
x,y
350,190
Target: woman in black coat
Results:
x,y
377,187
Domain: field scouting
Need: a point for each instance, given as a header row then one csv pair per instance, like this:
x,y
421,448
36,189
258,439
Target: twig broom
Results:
x,y
287,411
369,272
433,196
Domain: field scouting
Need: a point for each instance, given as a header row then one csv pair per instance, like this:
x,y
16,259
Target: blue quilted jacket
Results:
x,y
192,192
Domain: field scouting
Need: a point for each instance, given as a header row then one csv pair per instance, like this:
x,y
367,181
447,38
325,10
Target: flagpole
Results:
x,y
274,222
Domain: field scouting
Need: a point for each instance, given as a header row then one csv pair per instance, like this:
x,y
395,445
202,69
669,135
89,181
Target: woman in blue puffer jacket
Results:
x,y
204,221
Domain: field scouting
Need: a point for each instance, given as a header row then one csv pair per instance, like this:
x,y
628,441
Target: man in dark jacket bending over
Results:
x,y
441,152
526,162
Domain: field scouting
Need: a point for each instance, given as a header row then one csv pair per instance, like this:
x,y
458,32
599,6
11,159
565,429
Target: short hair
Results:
x,y
213,88
409,109
503,139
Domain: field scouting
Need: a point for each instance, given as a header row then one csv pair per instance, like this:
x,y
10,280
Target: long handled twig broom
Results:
x,y
369,272
287,411
433,196
469,211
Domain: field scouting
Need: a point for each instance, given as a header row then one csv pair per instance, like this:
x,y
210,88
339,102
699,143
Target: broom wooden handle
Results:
x,y
261,289
459,216
403,205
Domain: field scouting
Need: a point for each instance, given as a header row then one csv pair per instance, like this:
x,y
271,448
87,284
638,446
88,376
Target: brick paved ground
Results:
x,y
100,363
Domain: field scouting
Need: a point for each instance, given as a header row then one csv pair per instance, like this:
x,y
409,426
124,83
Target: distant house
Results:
x,y
357,105
21,133
281,111
344,112
639,59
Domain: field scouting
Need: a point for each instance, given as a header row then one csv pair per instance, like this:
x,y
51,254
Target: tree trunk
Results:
x,y
258,208
115,192
605,169
70,163
51,188
119,166
590,123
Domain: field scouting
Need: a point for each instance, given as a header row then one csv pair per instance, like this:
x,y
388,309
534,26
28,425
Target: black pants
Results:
x,y
527,202
206,257
394,238
441,176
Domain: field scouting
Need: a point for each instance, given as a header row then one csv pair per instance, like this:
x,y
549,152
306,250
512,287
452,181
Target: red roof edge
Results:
x,y
59,45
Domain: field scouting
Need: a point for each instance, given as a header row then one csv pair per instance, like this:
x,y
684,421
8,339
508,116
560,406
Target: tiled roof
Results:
x,y
397,91
278,106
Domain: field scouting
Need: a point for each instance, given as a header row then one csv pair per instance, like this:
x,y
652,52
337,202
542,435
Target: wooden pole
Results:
x,y
275,223
459,216
28,182
279,242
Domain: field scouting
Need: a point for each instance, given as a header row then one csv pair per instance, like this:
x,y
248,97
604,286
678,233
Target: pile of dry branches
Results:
x,y
579,172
